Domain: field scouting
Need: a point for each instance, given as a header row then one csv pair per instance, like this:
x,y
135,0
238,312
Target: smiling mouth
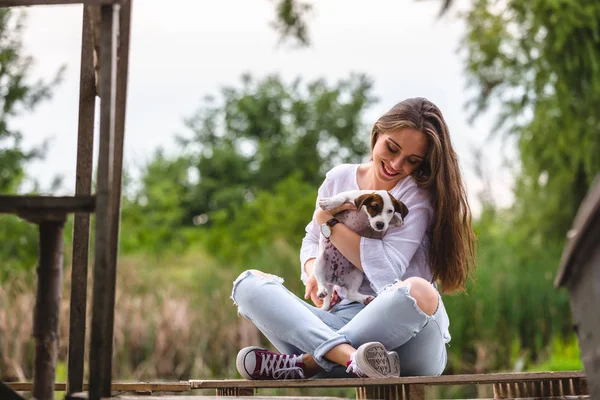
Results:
x,y
387,172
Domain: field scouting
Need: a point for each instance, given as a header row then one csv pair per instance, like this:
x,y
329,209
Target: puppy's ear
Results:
x,y
363,199
400,207
396,221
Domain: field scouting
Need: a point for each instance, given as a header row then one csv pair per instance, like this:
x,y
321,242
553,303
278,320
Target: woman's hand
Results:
x,y
311,291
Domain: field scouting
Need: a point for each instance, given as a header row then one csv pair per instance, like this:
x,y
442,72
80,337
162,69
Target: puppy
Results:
x,y
375,212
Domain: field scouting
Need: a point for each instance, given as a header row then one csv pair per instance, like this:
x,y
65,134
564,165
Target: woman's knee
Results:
x,y
423,292
247,282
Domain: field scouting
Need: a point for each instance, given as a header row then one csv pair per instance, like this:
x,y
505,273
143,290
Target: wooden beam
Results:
x,y
426,380
104,283
47,309
15,204
21,3
116,386
81,223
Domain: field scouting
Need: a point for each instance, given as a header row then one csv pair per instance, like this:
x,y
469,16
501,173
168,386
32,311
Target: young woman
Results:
x,y
406,324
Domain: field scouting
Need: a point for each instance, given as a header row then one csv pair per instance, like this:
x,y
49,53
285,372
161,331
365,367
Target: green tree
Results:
x,y
540,62
259,134
17,96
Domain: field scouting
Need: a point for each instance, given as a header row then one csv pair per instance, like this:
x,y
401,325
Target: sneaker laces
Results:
x,y
353,367
281,366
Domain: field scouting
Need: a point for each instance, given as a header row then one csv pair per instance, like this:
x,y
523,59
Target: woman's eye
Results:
x,y
393,151
413,162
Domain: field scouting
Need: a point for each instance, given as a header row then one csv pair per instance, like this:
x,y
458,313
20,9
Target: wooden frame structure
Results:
x,y
104,70
103,75
506,385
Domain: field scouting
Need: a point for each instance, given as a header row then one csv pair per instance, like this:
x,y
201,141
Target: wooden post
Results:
x,y
104,284
47,307
81,224
392,392
235,392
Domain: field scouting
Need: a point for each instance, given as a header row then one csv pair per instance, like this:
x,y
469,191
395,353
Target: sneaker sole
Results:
x,y
394,363
239,362
376,362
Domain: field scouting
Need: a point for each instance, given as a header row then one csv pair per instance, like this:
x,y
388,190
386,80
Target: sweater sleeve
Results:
x,y
310,242
385,260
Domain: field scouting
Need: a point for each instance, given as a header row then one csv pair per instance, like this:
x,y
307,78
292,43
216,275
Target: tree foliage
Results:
x,y
540,62
18,95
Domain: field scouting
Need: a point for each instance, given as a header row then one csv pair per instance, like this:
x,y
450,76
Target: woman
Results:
x,y
406,324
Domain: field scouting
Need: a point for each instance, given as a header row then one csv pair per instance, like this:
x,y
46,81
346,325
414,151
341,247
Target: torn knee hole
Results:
x,y
261,274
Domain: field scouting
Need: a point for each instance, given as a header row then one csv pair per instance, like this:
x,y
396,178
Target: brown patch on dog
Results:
x,y
399,206
372,201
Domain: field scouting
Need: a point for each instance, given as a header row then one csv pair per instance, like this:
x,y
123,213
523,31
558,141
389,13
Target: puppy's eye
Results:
x,y
374,206
390,211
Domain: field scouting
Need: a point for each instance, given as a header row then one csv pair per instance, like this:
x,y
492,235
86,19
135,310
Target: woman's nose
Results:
x,y
397,163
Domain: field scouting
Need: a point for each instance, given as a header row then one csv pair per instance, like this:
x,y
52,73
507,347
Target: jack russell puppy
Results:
x,y
375,212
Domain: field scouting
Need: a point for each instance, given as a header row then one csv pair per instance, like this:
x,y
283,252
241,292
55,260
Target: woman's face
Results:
x,y
397,154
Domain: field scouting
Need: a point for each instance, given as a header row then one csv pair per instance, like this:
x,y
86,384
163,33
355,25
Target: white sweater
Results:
x,y
400,254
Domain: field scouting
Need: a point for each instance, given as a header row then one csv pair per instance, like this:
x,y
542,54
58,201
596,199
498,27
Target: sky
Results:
x,y
191,48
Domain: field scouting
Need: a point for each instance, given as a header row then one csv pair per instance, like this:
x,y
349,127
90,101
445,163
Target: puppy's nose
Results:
x,y
379,225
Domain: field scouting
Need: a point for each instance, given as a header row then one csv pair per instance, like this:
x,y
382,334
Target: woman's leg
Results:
x,y
397,320
292,325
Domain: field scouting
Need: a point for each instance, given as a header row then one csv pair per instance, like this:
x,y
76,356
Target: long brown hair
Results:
x,y
452,245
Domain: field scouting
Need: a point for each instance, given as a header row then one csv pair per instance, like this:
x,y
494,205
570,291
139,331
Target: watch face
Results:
x,y
326,230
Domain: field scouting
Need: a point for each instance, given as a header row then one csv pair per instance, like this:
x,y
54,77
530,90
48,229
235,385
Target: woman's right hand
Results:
x,y
311,291
311,284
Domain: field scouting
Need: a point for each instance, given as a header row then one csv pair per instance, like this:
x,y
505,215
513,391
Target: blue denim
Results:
x,y
393,318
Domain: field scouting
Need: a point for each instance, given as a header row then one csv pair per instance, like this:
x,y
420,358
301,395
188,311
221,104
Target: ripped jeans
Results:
x,y
295,327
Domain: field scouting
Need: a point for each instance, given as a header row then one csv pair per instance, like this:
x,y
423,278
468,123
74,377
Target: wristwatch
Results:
x,y
326,227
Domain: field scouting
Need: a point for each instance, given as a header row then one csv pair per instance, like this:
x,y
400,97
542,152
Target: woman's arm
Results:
x,y
384,260
343,238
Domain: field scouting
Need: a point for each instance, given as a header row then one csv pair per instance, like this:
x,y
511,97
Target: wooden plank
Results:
x,y
357,382
116,386
102,323
20,3
83,396
47,309
81,223
16,204
587,216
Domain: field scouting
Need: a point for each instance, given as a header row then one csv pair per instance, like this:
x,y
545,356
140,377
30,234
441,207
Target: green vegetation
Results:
x,y
259,149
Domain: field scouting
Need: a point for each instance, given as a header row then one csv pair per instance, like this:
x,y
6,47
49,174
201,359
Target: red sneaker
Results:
x,y
256,363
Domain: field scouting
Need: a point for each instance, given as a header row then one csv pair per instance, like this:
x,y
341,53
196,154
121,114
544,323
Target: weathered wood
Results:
x,y
17,204
580,274
47,308
545,388
104,284
425,380
81,223
19,3
116,386
235,392
579,236
83,396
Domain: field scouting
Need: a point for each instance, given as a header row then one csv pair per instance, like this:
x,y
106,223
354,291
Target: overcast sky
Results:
x,y
188,49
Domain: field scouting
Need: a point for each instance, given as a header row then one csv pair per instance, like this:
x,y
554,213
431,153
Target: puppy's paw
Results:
x,y
328,203
322,293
